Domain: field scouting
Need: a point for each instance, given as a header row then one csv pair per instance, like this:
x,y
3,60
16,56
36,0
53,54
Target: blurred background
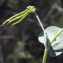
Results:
x,y
19,43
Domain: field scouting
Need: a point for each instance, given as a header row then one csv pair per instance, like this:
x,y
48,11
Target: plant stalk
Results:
x,y
45,51
39,21
45,56
56,36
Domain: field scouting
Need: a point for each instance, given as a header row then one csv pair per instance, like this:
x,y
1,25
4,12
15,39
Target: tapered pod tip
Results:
x,y
32,8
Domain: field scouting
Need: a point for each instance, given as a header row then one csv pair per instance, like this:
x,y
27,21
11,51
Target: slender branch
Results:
x,y
45,56
39,21
56,35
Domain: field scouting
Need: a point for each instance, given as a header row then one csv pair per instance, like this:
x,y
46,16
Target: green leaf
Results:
x,y
56,47
41,37
54,53
51,31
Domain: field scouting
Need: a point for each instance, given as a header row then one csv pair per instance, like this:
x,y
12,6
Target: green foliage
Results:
x,y
55,43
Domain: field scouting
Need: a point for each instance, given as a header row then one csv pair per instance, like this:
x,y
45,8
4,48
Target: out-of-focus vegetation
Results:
x,y
19,43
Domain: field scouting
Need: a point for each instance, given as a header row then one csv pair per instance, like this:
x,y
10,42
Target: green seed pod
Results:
x,y
20,16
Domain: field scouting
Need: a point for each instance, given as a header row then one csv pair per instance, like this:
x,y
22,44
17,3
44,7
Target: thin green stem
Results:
x,y
46,51
45,56
39,21
56,36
